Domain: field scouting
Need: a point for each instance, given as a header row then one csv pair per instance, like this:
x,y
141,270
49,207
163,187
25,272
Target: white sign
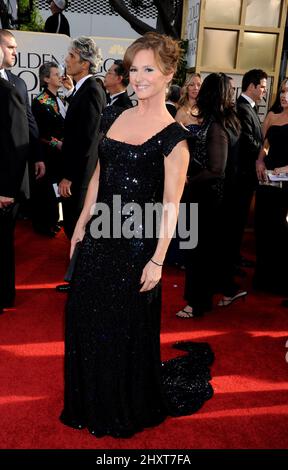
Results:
x,y
192,26
34,49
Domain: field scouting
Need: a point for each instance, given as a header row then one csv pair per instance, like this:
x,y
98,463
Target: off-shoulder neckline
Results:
x,y
147,140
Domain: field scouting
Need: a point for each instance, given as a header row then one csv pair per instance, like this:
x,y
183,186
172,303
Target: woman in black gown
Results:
x,y
210,148
115,383
271,208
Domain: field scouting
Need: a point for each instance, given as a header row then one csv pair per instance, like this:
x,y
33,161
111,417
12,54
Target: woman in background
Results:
x,y
271,207
187,109
209,149
49,111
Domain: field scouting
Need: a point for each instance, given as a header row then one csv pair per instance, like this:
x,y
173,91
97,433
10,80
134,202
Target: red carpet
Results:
x,y
250,406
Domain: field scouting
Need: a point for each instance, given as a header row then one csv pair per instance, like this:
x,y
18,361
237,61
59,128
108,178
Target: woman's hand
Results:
x,y
67,82
78,236
261,170
59,145
282,169
151,275
65,188
5,201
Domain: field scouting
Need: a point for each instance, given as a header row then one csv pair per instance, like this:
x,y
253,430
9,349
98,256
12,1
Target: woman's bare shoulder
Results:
x,y
181,115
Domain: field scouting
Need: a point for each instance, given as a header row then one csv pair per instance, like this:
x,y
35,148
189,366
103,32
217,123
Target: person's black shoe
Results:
x,y
51,233
63,288
57,228
284,303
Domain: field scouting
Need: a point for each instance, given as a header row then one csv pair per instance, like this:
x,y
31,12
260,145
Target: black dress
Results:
x,y
271,227
208,150
115,383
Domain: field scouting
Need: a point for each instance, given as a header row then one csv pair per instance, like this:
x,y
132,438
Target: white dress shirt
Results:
x,y
3,74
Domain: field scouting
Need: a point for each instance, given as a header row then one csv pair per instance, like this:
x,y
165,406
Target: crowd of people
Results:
x,y
196,145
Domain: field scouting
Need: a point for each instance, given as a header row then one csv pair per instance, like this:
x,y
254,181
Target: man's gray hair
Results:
x,y
87,50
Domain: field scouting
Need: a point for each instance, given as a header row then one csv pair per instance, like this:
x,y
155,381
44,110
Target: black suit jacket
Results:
x,y
123,101
172,109
81,136
21,88
251,137
14,140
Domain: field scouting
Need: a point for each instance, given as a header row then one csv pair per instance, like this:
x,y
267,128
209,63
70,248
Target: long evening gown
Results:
x,y
115,383
208,149
271,227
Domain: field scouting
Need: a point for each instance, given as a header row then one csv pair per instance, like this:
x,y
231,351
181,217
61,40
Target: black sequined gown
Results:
x,y
115,383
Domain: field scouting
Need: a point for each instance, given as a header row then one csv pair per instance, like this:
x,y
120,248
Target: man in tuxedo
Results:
x,y
9,47
116,81
254,85
14,141
81,129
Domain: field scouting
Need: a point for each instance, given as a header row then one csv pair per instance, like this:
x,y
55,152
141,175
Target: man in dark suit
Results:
x,y
9,47
254,85
14,141
116,82
81,129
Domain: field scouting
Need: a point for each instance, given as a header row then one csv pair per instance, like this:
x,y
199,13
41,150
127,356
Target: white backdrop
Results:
x,y
36,48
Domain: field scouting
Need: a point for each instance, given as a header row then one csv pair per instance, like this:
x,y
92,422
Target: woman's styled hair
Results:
x,y
215,99
276,106
44,72
184,100
167,51
88,51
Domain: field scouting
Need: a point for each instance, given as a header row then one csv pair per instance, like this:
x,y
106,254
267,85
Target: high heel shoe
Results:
x,y
225,301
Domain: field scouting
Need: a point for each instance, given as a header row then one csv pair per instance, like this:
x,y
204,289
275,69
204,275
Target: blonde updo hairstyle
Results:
x,y
167,51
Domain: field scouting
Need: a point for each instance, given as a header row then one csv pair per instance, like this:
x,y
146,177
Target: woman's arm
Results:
x,y
86,213
260,165
181,115
266,123
176,165
217,153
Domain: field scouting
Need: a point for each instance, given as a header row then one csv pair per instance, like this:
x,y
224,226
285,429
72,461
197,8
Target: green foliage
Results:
x,y
32,22
180,75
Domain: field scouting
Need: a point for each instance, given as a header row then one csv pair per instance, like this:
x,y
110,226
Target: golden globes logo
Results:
x,y
29,64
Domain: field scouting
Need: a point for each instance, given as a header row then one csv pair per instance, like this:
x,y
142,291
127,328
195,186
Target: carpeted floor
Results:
x,y
250,406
